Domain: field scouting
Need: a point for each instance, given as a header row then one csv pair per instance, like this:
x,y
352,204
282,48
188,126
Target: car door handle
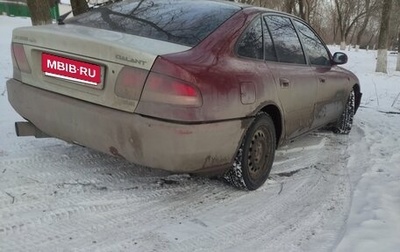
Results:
x,y
285,83
322,80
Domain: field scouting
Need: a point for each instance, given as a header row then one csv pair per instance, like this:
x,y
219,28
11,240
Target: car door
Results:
x,y
331,91
294,78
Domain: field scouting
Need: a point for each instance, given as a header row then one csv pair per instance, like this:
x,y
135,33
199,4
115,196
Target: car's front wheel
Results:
x,y
345,122
254,159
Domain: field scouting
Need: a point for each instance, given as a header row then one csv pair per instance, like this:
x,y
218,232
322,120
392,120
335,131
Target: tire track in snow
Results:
x,y
216,237
143,209
133,220
151,193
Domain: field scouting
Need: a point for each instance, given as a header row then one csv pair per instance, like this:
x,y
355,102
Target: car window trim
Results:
x,y
272,39
302,42
292,20
298,37
236,48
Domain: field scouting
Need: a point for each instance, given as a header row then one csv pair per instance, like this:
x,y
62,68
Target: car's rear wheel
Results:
x,y
345,122
254,159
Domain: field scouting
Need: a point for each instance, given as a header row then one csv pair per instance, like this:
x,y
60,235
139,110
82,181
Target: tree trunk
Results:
x,y
352,35
335,27
343,45
362,30
365,23
289,6
398,62
398,53
370,39
381,64
40,11
340,26
302,10
342,41
79,7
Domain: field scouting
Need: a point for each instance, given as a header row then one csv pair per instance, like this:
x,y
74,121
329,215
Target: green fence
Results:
x,y
20,9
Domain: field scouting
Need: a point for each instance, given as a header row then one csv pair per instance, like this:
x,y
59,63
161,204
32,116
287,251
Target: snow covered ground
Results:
x,y
326,192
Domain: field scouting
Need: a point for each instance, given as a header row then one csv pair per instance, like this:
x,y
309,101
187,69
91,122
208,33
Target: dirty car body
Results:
x,y
176,85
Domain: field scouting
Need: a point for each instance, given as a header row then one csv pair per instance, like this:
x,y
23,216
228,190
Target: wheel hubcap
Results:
x,y
258,153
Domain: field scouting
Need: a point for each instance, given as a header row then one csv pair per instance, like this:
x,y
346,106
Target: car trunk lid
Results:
x,y
86,63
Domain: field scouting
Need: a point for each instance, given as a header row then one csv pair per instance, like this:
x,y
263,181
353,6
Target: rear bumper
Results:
x,y
169,146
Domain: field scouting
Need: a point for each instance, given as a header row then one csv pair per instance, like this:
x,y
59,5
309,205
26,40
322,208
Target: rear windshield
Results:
x,y
182,22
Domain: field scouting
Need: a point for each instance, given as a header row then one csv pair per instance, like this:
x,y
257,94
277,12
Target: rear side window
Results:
x,y
286,41
269,48
256,42
314,47
182,22
251,43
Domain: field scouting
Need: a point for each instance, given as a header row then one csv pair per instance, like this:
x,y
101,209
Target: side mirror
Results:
x,y
339,58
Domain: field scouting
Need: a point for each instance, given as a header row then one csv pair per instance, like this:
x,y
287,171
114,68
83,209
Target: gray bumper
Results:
x,y
158,144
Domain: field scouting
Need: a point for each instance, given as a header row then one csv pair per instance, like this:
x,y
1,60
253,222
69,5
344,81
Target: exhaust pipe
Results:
x,y
28,129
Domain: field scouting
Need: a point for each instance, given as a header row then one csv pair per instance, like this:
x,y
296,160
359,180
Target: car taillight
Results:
x,y
20,57
130,83
160,88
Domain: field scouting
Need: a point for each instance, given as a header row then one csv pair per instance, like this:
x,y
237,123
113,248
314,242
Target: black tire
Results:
x,y
253,162
345,122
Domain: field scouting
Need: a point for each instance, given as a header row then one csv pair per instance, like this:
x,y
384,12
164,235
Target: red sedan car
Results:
x,y
186,86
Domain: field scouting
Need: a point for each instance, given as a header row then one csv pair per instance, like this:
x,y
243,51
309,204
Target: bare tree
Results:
x,y
302,8
289,6
355,21
305,9
348,14
79,6
398,53
40,11
272,4
381,64
370,6
398,35
394,42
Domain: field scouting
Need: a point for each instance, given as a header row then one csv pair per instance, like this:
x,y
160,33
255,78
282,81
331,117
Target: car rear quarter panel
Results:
x,y
231,86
